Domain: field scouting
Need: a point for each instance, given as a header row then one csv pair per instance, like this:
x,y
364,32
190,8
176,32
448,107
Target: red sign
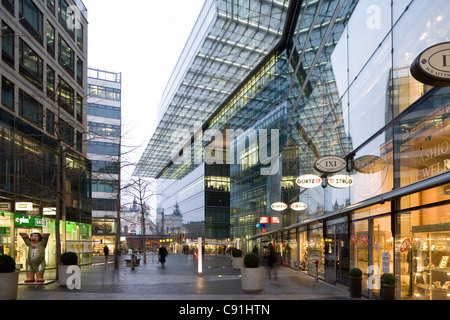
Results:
x,y
195,255
405,245
353,238
364,239
275,220
263,219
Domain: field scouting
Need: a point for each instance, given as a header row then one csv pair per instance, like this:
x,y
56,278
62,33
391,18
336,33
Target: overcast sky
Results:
x,y
143,39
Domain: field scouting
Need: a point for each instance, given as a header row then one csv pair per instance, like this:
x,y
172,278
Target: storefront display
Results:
x,y
424,253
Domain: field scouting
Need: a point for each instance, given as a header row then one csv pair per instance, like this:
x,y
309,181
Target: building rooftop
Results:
x,y
226,44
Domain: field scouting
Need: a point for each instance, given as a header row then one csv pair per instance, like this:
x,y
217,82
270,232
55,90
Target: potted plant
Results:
x,y
355,276
67,259
387,281
252,274
237,261
9,278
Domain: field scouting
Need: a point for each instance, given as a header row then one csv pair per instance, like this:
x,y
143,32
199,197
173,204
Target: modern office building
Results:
x,y
103,147
333,82
43,126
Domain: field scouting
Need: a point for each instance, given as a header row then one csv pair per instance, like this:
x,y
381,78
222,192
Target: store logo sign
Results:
x,y
432,66
330,164
308,181
298,206
341,181
29,221
279,206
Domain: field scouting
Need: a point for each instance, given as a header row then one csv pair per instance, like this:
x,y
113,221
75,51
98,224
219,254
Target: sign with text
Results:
x,y
330,164
278,206
298,206
432,66
308,181
29,221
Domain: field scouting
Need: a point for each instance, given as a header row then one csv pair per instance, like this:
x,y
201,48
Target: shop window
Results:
x,y
423,243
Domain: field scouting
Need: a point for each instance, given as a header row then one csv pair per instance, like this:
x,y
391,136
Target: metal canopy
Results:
x,y
229,39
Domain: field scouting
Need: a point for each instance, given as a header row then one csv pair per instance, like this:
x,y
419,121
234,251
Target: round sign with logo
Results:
x,y
405,245
330,164
308,181
298,206
364,239
432,66
279,206
341,181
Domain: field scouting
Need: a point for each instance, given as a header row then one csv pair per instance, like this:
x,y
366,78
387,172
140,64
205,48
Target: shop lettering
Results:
x,y
436,151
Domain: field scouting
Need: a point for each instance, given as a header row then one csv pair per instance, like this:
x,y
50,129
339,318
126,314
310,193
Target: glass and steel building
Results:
x,y
334,80
103,147
43,126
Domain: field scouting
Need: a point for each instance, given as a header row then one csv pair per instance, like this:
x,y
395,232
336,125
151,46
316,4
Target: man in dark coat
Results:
x,y
162,255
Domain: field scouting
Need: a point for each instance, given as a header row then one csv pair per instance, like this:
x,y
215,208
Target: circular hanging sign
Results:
x,y
432,66
298,206
369,164
308,181
330,164
279,206
341,181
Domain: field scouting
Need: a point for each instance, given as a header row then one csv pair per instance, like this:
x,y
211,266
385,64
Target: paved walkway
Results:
x,y
179,280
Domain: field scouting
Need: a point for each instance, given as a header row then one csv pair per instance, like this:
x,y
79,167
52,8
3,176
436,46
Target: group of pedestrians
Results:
x,y
162,254
271,257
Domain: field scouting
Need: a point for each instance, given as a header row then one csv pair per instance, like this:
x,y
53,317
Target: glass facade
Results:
x,y
340,85
41,142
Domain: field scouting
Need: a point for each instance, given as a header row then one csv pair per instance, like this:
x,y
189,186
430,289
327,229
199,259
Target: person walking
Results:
x,y
106,253
271,261
162,255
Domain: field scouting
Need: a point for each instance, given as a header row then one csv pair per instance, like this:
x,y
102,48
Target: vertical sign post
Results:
x,y
200,258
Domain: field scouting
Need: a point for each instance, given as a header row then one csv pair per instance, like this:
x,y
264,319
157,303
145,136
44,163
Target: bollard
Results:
x,y
132,262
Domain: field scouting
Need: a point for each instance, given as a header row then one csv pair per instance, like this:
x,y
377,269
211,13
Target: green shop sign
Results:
x,y
29,221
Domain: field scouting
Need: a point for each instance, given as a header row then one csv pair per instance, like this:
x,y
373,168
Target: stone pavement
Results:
x,y
179,280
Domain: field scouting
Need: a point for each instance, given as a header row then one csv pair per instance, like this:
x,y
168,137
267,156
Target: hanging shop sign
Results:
x,y
432,66
49,211
24,206
29,221
369,164
330,164
278,206
341,181
275,220
263,220
308,181
298,206
5,206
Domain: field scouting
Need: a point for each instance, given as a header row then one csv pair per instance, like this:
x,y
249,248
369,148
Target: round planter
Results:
x,y
237,262
387,292
252,279
8,285
355,287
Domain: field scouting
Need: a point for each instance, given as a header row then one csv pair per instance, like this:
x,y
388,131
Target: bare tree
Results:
x,y
143,190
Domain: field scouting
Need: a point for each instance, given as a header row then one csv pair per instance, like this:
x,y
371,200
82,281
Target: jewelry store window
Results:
x,y
424,254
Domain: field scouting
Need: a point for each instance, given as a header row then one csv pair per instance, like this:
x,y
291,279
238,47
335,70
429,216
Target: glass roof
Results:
x,y
229,39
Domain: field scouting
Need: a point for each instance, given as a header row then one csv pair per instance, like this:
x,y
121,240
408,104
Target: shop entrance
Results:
x,y
337,254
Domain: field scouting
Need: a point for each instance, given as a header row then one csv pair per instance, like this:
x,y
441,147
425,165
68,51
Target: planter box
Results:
x,y
252,279
387,292
355,287
8,285
237,262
